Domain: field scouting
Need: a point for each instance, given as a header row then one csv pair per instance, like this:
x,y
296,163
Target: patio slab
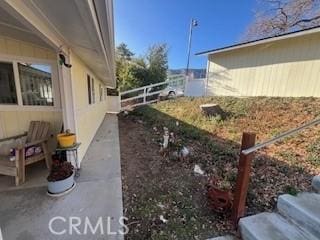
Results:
x,y
26,213
36,175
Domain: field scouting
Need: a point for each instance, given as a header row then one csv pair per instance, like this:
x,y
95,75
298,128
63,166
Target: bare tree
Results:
x,y
275,17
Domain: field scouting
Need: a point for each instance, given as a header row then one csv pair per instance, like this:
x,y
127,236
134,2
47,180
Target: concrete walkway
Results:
x,y
25,213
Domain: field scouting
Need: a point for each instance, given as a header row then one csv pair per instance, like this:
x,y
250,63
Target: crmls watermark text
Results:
x,y
85,226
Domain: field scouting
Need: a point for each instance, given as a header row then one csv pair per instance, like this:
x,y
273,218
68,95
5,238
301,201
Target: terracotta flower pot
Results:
x,y
219,200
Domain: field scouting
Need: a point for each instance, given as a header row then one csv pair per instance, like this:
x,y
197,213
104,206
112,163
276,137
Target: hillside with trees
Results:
x,y
133,71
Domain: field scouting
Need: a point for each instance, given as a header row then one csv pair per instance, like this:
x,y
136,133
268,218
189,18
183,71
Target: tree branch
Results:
x,y
305,21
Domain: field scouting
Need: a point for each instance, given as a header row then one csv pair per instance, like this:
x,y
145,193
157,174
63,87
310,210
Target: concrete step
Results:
x,y
303,209
271,226
227,237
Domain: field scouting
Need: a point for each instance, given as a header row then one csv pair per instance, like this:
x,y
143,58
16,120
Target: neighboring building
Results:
x,y
34,85
286,65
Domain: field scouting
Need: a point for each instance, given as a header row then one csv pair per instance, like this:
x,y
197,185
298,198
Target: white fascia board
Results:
x,y
263,41
109,62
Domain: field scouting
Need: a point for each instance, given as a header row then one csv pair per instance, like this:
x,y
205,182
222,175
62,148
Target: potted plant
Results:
x,y
66,139
61,177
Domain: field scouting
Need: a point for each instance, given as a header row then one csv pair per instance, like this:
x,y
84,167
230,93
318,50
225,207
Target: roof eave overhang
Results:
x,y
260,41
28,13
102,15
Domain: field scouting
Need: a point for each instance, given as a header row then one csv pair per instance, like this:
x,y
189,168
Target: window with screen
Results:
x,y
89,89
93,91
36,84
8,94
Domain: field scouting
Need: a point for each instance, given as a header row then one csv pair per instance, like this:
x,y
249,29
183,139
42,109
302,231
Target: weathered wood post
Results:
x,y
243,178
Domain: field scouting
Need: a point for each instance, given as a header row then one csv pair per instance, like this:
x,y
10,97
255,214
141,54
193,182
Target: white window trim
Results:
x,y
93,92
55,85
96,101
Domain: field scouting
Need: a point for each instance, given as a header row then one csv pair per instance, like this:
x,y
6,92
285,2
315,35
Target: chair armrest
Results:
x,y
13,137
32,143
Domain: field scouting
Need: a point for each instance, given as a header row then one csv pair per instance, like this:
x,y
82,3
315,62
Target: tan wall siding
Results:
x,y
15,120
88,117
14,47
288,68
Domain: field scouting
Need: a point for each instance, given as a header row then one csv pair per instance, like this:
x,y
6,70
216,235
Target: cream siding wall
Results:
x,y
287,68
88,117
15,119
19,48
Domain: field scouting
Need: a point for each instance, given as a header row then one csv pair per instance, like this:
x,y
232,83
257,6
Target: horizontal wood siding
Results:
x,y
14,47
287,68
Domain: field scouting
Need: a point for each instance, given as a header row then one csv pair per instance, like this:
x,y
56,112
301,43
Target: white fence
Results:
x,y
142,97
148,94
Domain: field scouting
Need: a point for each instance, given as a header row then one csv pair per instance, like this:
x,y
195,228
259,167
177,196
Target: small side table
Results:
x,y
74,150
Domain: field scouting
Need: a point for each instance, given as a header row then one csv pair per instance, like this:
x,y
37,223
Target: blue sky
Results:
x,y
141,23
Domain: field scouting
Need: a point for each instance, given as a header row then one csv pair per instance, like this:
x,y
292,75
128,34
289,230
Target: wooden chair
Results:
x,y
37,135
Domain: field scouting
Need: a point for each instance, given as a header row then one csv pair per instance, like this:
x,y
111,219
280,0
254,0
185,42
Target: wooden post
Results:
x,y
20,166
243,178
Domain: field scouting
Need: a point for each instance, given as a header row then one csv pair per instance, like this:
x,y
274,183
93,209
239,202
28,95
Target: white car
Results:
x,y
171,92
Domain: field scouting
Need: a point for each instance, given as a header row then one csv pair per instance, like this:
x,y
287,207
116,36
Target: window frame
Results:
x,y
15,84
14,60
93,92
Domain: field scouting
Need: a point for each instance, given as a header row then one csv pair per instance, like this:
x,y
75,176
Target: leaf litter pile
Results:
x,y
165,188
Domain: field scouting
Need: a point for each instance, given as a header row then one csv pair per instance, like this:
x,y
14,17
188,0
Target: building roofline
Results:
x,y
261,41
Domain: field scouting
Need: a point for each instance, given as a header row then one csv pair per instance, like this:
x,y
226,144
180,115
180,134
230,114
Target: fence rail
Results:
x,y
248,148
141,94
280,137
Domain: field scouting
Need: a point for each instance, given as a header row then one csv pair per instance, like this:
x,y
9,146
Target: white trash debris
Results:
x,y
160,205
177,123
198,170
184,152
165,138
165,141
162,219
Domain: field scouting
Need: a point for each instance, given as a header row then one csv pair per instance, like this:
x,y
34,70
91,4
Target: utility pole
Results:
x,y
193,24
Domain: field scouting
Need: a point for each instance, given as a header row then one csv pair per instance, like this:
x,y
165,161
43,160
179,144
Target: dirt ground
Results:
x,y
153,187
165,199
